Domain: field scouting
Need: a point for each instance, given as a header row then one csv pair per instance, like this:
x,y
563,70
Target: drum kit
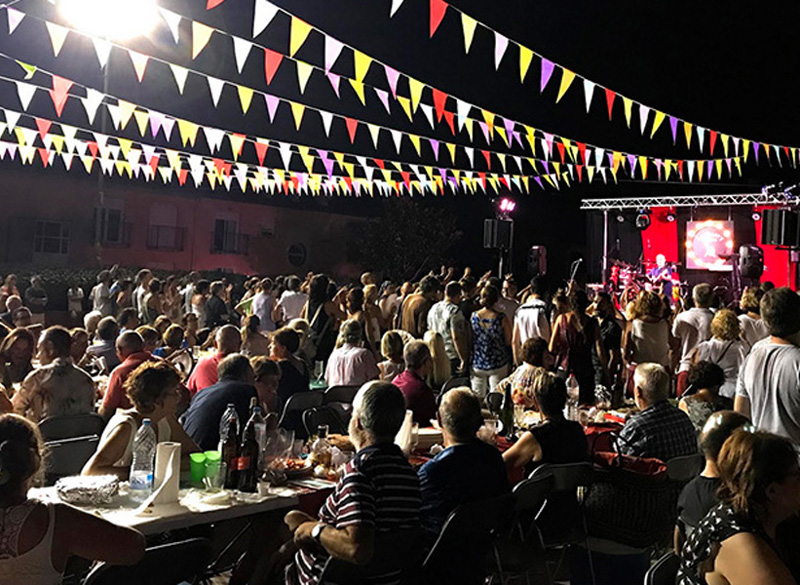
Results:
x,y
628,280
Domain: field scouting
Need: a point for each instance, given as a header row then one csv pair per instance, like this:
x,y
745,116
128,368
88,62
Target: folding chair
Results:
x,y
68,456
56,428
454,382
664,571
494,402
322,415
685,468
344,394
292,417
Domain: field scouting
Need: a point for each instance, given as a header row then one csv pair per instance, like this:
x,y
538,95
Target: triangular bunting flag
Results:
x,y
327,118
391,78
547,71
213,4
437,11
215,86
14,18
272,61
610,96
384,97
644,112
395,5
59,93
627,104
298,33
297,112
657,120
180,74
139,63
334,80
567,77
25,92
265,11
500,46
303,73
468,25
333,48
358,87
245,97
352,126
58,34
361,64
525,58
201,34
102,49
241,50
173,22
415,88
588,92
687,130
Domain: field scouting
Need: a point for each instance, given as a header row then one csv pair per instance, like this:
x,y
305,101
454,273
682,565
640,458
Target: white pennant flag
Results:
x,y
374,132
428,111
265,11
462,109
113,111
215,86
588,91
173,21
327,118
598,157
14,18
333,49
644,111
103,49
25,92
67,158
180,74
500,46
286,154
395,5
241,50
470,152
397,136
91,102
69,136
214,138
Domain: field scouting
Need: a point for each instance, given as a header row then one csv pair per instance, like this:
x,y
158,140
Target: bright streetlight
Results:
x,y
111,19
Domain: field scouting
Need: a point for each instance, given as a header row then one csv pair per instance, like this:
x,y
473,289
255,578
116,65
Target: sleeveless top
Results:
x,y
489,351
34,567
323,332
574,347
720,524
650,342
163,432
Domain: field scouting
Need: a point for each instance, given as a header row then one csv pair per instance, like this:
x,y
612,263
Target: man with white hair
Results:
x,y
227,341
351,364
377,494
691,327
658,430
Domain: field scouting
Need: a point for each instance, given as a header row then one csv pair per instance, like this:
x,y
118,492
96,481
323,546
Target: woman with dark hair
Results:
x,y
37,538
574,335
702,398
253,342
491,334
151,303
735,543
294,374
124,298
16,354
323,316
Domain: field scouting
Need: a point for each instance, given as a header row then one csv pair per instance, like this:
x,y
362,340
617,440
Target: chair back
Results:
x,y
68,456
56,428
454,382
494,402
344,394
168,564
664,571
322,415
685,468
567,477
562,519
530,495
292,417
398,550
183,362
461,554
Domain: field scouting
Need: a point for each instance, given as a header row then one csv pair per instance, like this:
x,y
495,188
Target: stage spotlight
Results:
x,y
507,205
671,217
756,216
643,220
620,218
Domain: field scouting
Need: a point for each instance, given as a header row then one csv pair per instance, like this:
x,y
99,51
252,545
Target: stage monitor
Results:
x,y
709,245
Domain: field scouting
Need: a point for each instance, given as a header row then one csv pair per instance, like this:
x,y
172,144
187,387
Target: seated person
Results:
x,y
702,397
294,374
130,349
128,319
267,376
226,342
351,364
41,536
58,387
419,396
153,389
235,386
700,494
536,359
78,346
734,543
16,355
659,430
174,342
107,331
392,351
467,470
150,336
377,493
555,439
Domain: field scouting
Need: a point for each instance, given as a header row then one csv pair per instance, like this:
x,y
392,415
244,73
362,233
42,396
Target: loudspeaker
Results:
x,y
537,261
751,261
780,228
497,233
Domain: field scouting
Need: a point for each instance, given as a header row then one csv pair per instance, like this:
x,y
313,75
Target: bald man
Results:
x,y
131,354
227,341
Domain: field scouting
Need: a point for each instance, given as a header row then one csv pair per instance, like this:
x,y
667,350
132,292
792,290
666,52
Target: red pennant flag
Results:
x,y
580,172
349,183
44,154
582,150
406,179
439,99
272,61
213,4
680,169
482,177
712,140
560,146
261,151
59,93
438,8
219,164
93,149
448,117
352,126
610,97
183,174
380,163
505,182
488,158
43,126
154,162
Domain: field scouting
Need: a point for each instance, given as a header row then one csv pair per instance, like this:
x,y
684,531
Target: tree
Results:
x,y
406,241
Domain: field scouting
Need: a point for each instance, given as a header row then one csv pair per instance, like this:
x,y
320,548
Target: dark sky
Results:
x,y
726,66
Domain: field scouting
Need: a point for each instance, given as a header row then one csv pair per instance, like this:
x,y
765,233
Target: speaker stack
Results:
x,y
497,234
780,228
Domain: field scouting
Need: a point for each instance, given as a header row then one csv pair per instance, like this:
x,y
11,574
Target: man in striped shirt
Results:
x,y
378,492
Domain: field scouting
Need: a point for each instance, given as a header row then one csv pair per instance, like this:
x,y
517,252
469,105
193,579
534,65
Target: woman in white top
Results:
x,y
647,335
199,302
37,538
724,349
153,388
753,327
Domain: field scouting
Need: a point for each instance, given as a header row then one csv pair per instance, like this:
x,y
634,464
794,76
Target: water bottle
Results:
x,y
144,453
573,395
224,423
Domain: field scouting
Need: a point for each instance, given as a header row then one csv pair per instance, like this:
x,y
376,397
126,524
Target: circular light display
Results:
x,y
708,244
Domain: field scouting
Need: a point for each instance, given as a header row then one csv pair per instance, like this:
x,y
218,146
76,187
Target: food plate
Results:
x,y
298,468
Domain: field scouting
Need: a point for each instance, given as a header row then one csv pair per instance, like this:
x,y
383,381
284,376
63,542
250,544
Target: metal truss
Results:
x,y
780,198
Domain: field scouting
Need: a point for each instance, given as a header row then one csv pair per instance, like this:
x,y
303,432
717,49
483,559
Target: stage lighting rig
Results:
x,y
643,219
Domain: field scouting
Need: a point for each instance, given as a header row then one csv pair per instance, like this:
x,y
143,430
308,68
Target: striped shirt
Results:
x,y
378,489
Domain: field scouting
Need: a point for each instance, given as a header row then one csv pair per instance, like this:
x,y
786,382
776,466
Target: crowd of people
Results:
x,y
703,377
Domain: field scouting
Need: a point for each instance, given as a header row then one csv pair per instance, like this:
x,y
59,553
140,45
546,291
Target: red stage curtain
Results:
x,y
661,237
776,262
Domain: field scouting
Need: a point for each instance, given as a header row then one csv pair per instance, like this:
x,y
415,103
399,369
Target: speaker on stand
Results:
x,y
498,234
537,261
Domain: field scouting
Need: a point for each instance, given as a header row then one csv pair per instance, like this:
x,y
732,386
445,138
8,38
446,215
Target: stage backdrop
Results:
x,y
776,262
661,237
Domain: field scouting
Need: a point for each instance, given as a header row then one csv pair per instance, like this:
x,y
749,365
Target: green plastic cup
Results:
x,y
197,467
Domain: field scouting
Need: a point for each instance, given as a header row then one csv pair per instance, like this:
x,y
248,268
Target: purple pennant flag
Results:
x,y
435,147
443,173
728,162
518,137
610,160
509,128
156,121
272,105
709,167
755,150
334,79
392,76
168,124
673,123
547,71
384,97
539,180
632,162
485,129
546,166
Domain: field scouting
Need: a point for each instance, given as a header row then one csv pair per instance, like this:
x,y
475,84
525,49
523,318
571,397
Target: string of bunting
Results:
x,y
439,8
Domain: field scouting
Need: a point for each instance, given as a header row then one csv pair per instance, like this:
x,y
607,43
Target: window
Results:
x,y
51,237
225,238
110,227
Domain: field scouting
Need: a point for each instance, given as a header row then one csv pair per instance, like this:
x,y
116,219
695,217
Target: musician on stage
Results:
x,y
661,275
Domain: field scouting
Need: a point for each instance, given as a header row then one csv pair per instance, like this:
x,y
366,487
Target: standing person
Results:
x,y
150,305
768,388
199,301
725,349
40,537
264,305
445,318
217,311
491,334
531,319
124,296
10,286
75,296
415,307
610,337
188,291
647,337
372,314
753,327
691,327
101,294
292,300
323,316
143,278
507,304
172,303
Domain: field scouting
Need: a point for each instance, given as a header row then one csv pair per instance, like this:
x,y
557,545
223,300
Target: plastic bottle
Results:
x,y
229,445
144,453
247,462
573,395
261,430
321,449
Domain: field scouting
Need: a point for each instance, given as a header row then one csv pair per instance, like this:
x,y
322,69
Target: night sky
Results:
x,y
730,67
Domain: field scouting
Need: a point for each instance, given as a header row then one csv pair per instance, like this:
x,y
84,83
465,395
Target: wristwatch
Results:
x,y
316,532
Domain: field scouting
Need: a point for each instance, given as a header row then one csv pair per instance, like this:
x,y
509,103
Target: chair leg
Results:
x,y
499,566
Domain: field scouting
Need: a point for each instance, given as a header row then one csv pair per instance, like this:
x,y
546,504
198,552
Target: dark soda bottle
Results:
x,y
247,464
229,445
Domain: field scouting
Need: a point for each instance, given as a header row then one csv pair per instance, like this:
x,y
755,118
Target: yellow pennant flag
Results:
x,y
687,129
188,131
468,24
374,132
659,117
237,143
415,141
201,34
745,148
405,103
58,34
643,166
173,158
724,138
58,142
245,97
398,166
297,111
308,158
468,126
142,121
567,78
589,172
415,88
667,169
502,132
126,110
488,117
628,103
350,168
298,35
719,168
303,73
531,135
452,148
339,156
738,161
525,58
358,87
362,63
